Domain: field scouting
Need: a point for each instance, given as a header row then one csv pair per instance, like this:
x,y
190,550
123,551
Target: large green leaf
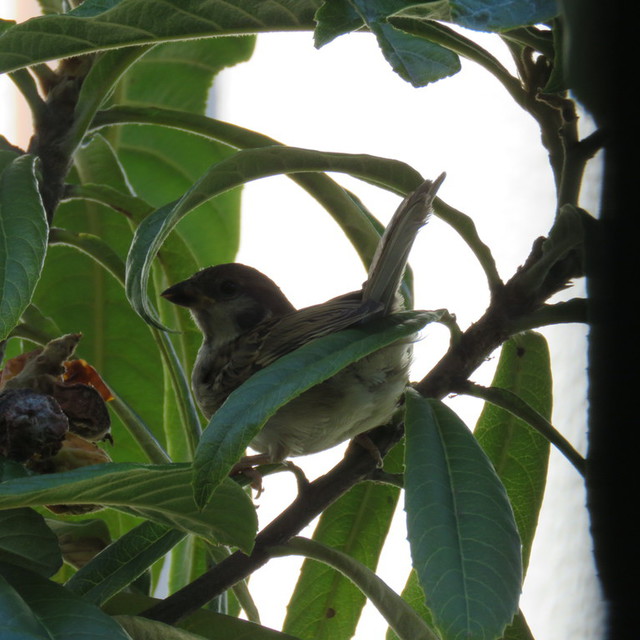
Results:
x,y
23,238
80,295
162,164
27,541
326,604
244,412
414,596
99,24
464,540
34,607
159,492
123,561
518,452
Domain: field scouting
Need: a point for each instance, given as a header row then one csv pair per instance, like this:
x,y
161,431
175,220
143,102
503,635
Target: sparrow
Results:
x,y
247,323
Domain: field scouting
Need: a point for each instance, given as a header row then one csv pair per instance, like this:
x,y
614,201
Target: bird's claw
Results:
x,y
367,443
246,466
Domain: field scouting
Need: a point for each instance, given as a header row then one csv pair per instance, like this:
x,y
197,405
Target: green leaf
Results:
x,y
244,412
362,230
18,621
519,453
145,629
23,239
48,611
488,15
334,19
407,624
97,25
464,541
356,524
162,164
242,167
78,292
206,624
416,60
92,246
123,561
480,15
158,492
413,595
97,86
6,24
26,541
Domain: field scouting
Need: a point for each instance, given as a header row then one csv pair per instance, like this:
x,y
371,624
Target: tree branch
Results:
x,y
520,296
357,465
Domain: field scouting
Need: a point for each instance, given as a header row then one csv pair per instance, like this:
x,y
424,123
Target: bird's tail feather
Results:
x,y
392,253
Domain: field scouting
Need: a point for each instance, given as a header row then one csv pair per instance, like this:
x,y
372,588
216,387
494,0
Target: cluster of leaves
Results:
x,y
93,223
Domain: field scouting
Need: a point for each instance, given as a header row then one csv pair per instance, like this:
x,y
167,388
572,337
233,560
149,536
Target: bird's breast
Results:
x,y
362,396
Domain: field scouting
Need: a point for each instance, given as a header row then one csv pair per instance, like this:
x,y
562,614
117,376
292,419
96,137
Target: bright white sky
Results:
x,y
346,98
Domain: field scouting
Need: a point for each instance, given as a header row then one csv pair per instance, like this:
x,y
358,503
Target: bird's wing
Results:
x,y
303,326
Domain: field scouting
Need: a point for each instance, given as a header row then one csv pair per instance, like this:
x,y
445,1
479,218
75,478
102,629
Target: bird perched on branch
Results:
x,y
248,323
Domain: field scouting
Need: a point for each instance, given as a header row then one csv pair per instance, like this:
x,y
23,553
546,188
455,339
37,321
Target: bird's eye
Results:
x,y
228,288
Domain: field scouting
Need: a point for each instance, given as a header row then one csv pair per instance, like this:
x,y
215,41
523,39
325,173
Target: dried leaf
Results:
x,y
80,371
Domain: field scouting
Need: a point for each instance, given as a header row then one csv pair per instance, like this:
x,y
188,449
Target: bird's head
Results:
x,y
229,299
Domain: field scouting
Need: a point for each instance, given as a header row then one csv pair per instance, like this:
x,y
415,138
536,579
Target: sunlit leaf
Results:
x,y
356,524
97,25
518,452
406,622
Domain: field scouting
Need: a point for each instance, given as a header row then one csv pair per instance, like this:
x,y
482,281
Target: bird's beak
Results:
x,y
184,294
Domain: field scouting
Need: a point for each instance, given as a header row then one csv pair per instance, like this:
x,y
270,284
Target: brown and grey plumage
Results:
x,y
248,323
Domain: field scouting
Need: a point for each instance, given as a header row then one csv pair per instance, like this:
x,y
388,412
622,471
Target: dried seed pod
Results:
x,y
76,452
31,424
80,541
86,410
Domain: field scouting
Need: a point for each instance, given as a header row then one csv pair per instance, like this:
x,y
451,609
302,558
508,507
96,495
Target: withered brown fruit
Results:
x,y
31,423
81,541
50,409
75,452
74,384
86,410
